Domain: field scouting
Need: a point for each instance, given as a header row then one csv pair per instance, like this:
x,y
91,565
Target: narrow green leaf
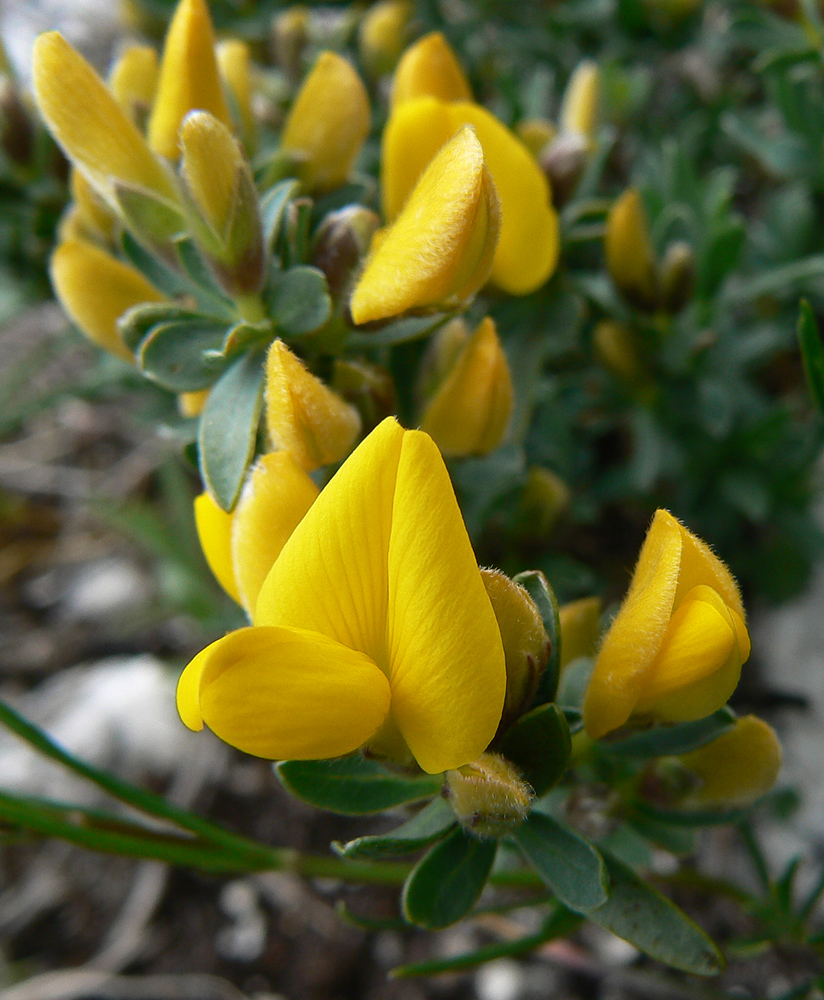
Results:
x,y
539,744
812,353
243,336
364,923
228,428
665,741
299,301
648,920
199,272
447,882
539,589
353,785
423,829
172,354
400,332
673,837
272,206
694,817
571,867
136,322
164,279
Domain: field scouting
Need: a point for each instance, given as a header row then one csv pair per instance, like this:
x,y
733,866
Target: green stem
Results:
x,y
251,308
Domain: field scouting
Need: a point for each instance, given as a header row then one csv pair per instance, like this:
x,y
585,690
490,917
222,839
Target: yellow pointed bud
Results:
x,y
579,107
677,276
429,68
289,35
190,404
381,34
580,628
564,161
189,77
617,347
93,215
328,135
535,133
340,244
96,289
545,498
235,64
469,414
488,796
90,126
439,359
630,256
674,651
736,768
214,529
305,417
526,643
439,250
133,81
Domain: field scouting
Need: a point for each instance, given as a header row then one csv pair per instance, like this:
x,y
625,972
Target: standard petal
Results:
x,y
275,498
285,693
637,631
448,674
699,564
331,576
429,68
214,529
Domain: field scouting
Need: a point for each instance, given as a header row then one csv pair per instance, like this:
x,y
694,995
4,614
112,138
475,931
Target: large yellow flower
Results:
x,y
674,650
373,628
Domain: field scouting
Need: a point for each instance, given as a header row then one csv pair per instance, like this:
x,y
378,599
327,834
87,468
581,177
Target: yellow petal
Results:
x,y
738,767
93,215
580,628
214,529
96,289
440,247
332,575
189,77
133,80
303,416
89,124
329,133
629,251
579,108
284,694
275,498
469,414
637,631
234,62
448,675
429,68
211,161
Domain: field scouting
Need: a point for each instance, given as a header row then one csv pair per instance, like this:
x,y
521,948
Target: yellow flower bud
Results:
x,y
488,796
580,628
305,417
674,650
579,107
189,77
381,34
289,34
340,244
429,68
617,347
234,62
90,126
736,768
96,289
528,247
440,249
546,496
526,643
439,359
630,256
328,135
133,81
677,276
535,133
469,414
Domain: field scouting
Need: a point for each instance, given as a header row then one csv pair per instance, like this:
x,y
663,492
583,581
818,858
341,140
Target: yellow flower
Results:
x,y
528,247
630,255
674,650
381,34
96,289
429,68
304,416
469,414
327,135
242,547
440,248
189,78
736,768
373,627
91,127
579,107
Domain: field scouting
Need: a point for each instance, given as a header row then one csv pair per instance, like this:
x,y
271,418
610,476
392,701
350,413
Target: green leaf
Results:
x,y
672,837
573,686
539,745
299,301
694,817
571,867
199,272
172,354
272,206
243,336
539,589
648,920
136,322
447,882
423,829
228,428
402,331
159,274
666,741
353,785
812,353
